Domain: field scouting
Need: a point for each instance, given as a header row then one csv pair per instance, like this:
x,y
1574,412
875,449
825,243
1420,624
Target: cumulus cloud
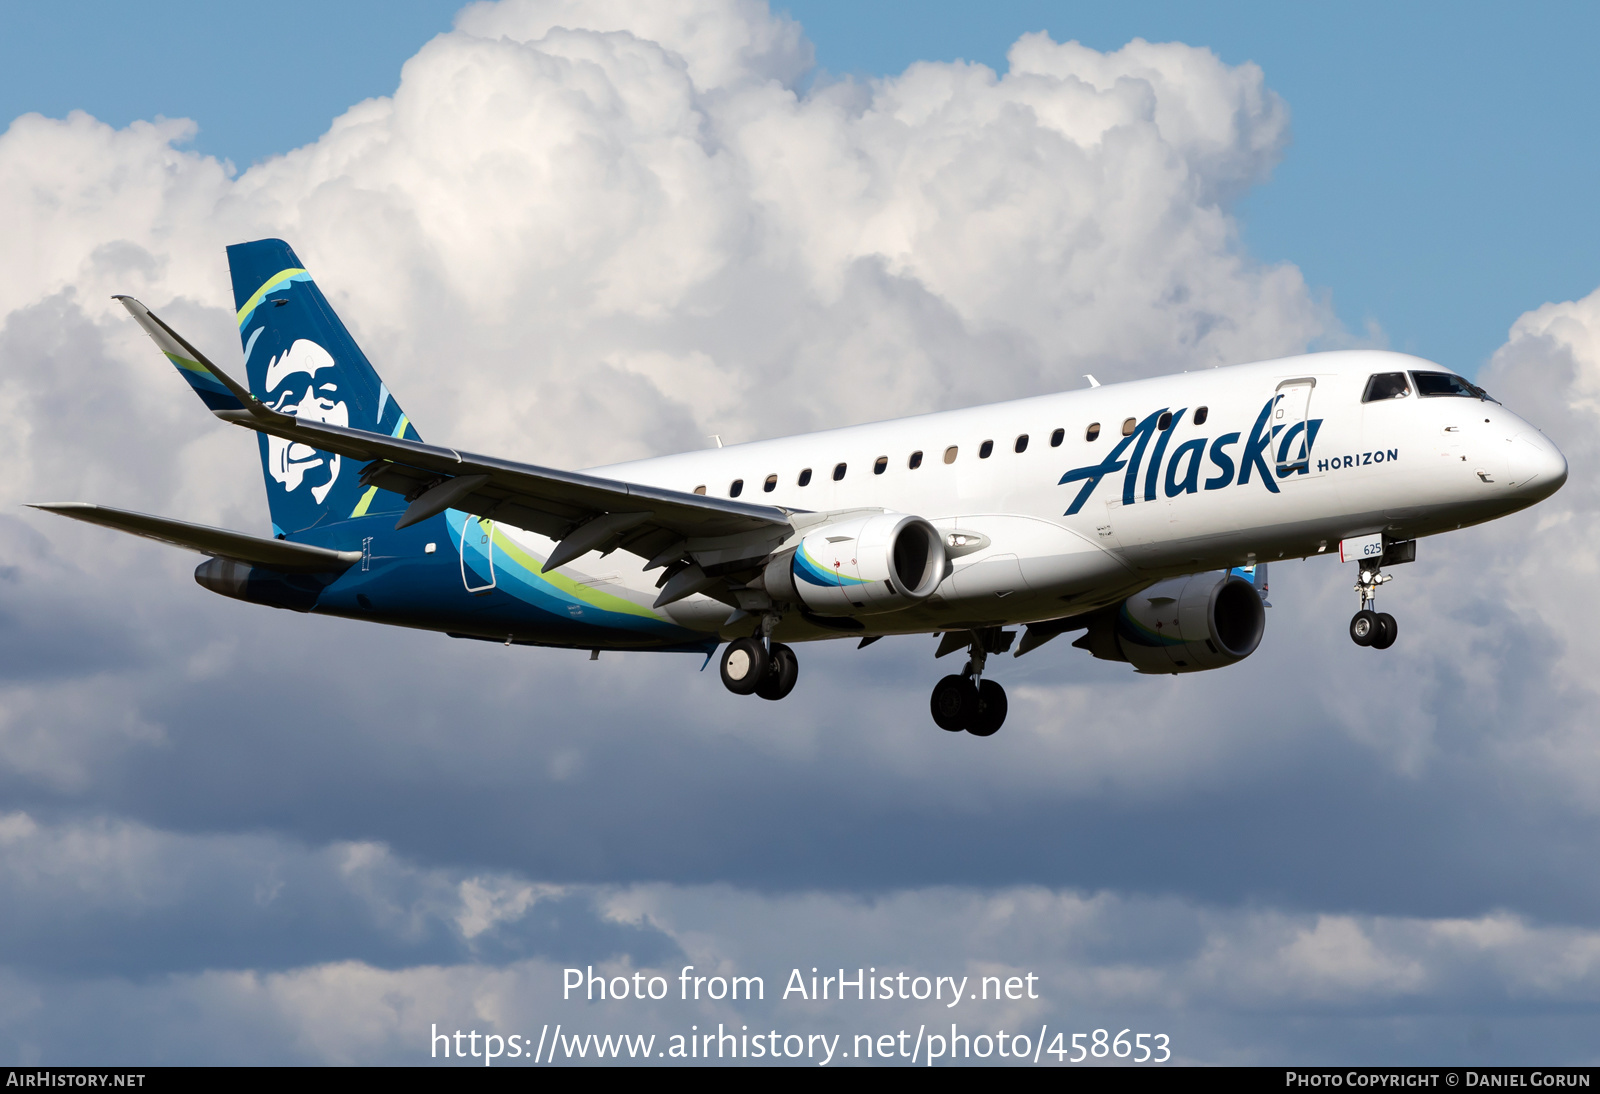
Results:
x,y
646,203
581,232
1211,978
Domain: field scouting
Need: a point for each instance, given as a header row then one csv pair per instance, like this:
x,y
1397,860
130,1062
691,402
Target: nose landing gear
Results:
x,y
1368,627
966,701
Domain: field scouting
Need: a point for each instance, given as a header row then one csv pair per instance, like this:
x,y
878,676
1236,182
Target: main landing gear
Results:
x,y
966,700
1368,627
759,666
962,701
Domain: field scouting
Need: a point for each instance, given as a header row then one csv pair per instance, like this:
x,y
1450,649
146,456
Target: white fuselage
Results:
x,y
1406,467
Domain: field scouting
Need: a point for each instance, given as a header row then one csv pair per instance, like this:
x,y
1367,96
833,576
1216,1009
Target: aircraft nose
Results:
x,y
1537,466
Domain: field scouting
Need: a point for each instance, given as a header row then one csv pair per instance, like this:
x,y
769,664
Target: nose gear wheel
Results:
x,y
1388,630
1369,627
1364,627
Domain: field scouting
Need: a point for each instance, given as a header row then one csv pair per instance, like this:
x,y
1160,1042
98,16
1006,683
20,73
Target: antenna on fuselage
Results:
x,y
1092,381
716,437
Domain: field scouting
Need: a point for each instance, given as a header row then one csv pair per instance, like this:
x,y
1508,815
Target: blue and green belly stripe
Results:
x,y
812,572
207,386
520,574
1141,635
276,281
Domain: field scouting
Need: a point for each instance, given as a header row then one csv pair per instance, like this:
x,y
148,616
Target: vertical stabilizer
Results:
x,y
300,360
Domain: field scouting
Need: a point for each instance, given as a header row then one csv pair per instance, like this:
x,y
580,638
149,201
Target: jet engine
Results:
x,y
1183,624
864,565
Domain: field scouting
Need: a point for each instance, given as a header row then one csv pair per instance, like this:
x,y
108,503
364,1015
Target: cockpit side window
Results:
x,y
1386,385
1445,383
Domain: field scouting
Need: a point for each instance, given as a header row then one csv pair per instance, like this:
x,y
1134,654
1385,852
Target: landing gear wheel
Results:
x,y
991,712
1364,627
1388,631
782,672
744,665
954,703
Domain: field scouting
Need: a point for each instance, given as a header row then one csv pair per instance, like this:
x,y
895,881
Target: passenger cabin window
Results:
x,y
700,489
1386,385
880,465
1061,434
916,460
1445,383
1022,443
805,477
950,454
985,450
1200,414
1164,422
736,489
771,484
838,472
1128,427
1089,434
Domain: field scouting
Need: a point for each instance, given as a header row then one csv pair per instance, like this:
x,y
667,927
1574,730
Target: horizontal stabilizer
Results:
x,y
274,554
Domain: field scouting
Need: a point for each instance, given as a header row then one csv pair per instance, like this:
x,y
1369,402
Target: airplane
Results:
x,y
1142,513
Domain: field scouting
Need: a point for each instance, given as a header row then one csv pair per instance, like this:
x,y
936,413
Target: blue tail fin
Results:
x,y
301,360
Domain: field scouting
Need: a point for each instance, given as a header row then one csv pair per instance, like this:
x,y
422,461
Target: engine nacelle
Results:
x,y
1183,624
877,563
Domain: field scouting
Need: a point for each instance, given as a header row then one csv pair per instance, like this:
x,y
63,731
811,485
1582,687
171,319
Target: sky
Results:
x,y
1442,154
578,231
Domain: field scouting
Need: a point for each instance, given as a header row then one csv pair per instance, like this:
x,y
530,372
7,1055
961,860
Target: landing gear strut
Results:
x,y
1368,627
966,701
760,666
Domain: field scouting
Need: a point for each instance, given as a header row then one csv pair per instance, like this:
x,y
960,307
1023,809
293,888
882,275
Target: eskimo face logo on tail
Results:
x,y
291,463
1251,459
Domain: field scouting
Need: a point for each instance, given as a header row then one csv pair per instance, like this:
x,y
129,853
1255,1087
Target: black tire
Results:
x,y
782,672
1388,631
954,703
991,710
1364,627
744,665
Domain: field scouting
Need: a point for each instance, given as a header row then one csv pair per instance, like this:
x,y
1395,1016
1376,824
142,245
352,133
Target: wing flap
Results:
x,y
274,554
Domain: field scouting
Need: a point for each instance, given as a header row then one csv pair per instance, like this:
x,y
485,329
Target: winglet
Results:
x,y
224,396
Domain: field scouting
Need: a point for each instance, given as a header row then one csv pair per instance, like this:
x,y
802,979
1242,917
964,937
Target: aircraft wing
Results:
x,y
709,536
274,554
584,512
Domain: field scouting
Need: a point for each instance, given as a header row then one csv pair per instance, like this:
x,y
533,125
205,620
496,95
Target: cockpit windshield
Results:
x,y
1445,383
1386,385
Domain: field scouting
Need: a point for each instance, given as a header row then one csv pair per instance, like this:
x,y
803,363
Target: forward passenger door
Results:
x,y
1291,414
